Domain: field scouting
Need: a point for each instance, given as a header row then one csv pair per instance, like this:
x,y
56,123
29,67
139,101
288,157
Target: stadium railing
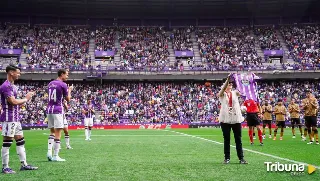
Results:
x,y
107,70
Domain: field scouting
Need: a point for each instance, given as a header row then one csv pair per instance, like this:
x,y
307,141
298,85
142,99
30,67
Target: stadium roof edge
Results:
x,y
154,8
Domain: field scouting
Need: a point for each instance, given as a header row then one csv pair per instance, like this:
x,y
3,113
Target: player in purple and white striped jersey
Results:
x,y
10,118
58,91
88,112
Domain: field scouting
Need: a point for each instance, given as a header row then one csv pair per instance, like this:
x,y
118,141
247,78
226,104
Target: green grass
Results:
x,y
159,155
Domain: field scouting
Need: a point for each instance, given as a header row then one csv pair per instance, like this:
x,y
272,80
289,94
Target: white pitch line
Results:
x,y
252,151
136,135
144,135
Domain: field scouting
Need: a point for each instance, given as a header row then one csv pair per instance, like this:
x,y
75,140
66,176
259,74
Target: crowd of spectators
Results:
x,y
105,38
65,46
143,47
146,48
15,36
181,38
268,38
225,67
304,44
233,46
153,102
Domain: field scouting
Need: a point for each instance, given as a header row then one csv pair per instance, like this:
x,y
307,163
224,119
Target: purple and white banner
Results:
x,y
247,85
104,53
270,53
10,51
183,53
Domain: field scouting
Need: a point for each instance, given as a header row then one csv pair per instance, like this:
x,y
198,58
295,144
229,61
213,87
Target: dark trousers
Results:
x,y
226,129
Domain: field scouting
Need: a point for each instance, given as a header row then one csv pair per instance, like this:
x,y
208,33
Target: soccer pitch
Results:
x,y
180,154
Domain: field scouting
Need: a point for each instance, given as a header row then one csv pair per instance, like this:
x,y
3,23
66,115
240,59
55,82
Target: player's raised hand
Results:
x,y
229,76
70,87
65,105
29,95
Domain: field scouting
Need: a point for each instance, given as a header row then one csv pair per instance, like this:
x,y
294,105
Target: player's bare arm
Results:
x,y
224,87
65,105
70,88
13,101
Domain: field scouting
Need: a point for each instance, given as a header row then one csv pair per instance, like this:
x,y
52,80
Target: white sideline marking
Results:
x,y
115,135
252,151
152,135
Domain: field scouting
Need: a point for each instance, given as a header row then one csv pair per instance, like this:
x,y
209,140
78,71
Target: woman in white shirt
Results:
x,y
230,117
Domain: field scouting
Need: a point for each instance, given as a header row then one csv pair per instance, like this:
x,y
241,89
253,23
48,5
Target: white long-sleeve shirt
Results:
x,y
225,116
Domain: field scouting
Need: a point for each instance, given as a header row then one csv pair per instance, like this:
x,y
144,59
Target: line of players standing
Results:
x,y
308,108
58,92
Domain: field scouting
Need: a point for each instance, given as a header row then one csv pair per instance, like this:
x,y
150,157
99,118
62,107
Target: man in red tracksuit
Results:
x,y
253,119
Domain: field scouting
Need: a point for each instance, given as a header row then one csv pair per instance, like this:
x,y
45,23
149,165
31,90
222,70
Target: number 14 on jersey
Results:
x,y
53,95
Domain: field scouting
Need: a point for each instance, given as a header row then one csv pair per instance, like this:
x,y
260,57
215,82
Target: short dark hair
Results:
x,y
12,67
232,83
62,71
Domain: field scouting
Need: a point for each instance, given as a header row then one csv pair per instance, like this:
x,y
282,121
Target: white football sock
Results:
x,y
86,133
5,156
21,151
67,138
56,147
5,153
50,144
